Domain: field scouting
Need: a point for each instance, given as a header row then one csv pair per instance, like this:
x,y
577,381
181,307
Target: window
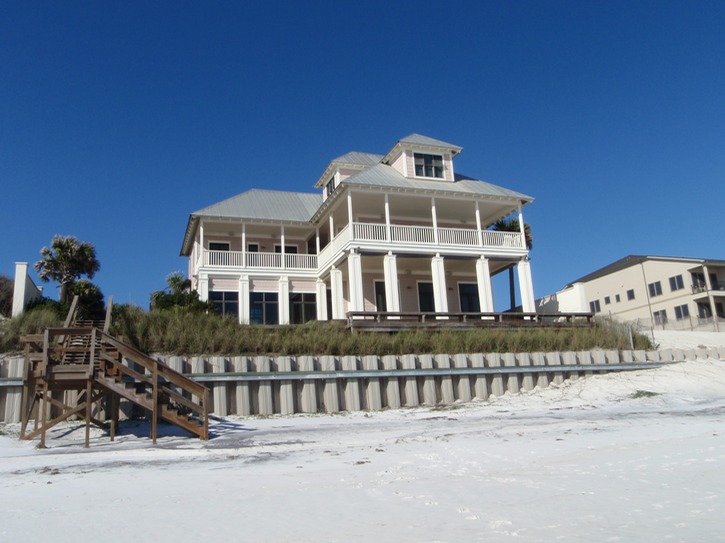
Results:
x,y
682,312
595,306
616,298
253,247
428,165
655,289
302,307
330,186
660,317
263,308
288,249
426,301
225,303
381,302
468,296
218,245
676,283
630,294
607,300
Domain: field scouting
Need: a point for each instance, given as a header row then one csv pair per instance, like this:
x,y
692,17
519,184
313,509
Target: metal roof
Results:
x,y
418,139
259,204
632,260
382,175
358,158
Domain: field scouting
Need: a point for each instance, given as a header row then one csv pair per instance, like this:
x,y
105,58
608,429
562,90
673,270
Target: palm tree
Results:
x,y
512,225
66,261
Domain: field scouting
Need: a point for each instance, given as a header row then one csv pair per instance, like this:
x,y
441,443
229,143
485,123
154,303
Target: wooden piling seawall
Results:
x,y
267,385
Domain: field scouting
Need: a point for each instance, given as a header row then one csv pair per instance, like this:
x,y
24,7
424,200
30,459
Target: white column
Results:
x,y
710,298
485,292
317,240
338,306
244,299
526,287
392,292
440,295
387,217
283,300
201,242
244,245
332,228
349,209
321,300
478,225
281,240
435,219
354,278
203,287
521,228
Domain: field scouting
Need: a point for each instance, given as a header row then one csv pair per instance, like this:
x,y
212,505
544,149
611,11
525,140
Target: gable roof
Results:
x,y
358,158
419,139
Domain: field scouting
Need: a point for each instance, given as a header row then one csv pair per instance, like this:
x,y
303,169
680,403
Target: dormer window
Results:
x,y
330,186
428,165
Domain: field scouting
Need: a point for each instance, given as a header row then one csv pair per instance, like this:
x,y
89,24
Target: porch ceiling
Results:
x,y
370,207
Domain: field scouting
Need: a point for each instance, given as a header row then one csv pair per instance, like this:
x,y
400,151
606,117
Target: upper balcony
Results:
x,y
420,239
375,237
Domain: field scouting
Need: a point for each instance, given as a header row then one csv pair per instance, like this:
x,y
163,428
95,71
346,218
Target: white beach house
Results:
x,y
400,232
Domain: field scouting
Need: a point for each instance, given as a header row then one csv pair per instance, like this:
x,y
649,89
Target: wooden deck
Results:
x,y
386,321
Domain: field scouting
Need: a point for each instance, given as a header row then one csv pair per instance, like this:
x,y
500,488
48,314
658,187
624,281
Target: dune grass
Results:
x,y
184,333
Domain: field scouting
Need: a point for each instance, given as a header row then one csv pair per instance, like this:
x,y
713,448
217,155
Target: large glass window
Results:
x,y
225,303
468,296
428,165
426,301
263,308
288,249
676,283
302,307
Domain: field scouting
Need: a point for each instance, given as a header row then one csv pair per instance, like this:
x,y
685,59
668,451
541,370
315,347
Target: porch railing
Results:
x,y
239,259
427,235
375,232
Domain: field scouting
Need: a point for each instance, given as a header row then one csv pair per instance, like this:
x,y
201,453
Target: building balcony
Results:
x,y
401,239
421,239
276,261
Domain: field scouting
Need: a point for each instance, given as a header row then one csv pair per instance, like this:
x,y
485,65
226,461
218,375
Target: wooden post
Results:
x,y
155,403
89,405
44,414
115,405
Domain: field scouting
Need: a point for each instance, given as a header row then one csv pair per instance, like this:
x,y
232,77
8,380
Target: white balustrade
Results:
x,y
457,236
223,258
412,234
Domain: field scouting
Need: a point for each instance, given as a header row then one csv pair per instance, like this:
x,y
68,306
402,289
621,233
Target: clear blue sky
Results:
x,y
118,119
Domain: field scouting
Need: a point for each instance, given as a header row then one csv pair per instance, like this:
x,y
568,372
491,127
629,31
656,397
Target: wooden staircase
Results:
x,y
82,357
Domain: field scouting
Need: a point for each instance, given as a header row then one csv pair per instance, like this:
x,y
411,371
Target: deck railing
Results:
x,y
238,259
368,232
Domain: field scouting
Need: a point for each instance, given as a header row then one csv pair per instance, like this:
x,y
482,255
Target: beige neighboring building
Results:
x,y
661,291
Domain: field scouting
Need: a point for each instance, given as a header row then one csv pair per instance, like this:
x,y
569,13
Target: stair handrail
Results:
x,y
160,374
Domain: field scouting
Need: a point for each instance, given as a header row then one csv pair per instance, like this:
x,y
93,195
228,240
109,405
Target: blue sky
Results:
x,y
118,119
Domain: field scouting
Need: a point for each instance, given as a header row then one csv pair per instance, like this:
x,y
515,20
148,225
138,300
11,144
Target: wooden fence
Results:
x,y
265,385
